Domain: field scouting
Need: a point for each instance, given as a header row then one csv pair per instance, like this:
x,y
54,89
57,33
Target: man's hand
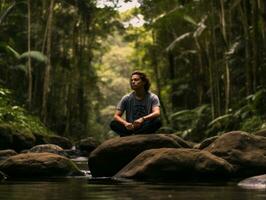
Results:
x,y
137,123
129,126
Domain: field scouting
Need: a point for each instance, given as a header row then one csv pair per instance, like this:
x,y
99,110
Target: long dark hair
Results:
x,y
144,78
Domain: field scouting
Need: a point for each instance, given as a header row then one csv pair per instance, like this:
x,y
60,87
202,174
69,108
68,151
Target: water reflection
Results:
x,y
107,189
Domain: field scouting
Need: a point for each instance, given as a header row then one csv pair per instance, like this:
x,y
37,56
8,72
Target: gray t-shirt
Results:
x,y
135,108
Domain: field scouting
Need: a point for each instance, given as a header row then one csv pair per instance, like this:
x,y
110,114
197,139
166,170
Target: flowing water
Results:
x,y
86,188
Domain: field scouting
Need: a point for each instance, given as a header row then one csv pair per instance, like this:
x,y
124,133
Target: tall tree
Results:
x,y
46,78
29,100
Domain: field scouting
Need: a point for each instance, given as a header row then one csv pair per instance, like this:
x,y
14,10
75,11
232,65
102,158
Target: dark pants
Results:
x,y
146,128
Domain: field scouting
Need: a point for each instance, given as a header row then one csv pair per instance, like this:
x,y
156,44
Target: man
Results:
x,y
142,109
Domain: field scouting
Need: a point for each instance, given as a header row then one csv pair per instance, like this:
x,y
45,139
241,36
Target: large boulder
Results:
x,y
22,140
245,151
176,164
34,165
112,155
52,148
4,154
255,182
41,138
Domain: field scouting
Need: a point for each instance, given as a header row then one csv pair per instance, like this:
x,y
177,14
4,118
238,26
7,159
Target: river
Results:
x,y
87,188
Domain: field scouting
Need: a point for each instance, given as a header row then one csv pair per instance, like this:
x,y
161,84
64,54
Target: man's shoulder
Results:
x,y
152,95
128,96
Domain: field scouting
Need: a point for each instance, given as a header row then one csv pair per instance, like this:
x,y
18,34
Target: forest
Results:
x,y
64,64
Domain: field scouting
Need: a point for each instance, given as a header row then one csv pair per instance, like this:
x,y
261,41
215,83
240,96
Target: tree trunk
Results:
x,y
210,71
262,7
29,100
215,73
199,74
255,44
243,13
226,64
48,66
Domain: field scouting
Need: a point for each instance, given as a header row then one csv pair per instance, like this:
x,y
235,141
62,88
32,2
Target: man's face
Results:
x,y
136,82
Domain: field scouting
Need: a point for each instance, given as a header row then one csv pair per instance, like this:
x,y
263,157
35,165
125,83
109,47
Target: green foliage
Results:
x,y
259,101
197,53
222,124
36,55
244,112
196,124
252,124
79,29
17,116
183,119
192,123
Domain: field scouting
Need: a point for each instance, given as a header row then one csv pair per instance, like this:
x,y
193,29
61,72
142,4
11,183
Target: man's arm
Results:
x,y
154,114
118,118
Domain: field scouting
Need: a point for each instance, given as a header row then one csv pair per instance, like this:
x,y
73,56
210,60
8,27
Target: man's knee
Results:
x,y
157,123
114,125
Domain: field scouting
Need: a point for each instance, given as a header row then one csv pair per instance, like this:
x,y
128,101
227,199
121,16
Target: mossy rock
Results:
x,y
41,138
35,165
12,137
6,138
23,139
4,154
176,164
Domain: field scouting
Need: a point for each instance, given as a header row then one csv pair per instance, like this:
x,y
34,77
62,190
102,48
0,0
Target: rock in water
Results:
x,y
4,154
255,182
176,164
112,155
245,151
34,165
2,176
48,148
